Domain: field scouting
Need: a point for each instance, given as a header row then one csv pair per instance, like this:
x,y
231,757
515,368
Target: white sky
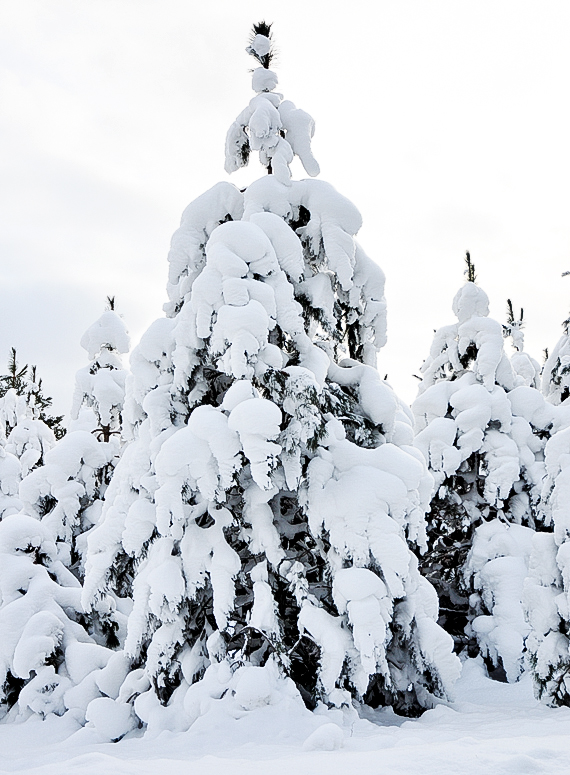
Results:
x,y
446,122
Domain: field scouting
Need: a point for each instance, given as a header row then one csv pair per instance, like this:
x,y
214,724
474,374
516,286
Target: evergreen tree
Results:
x,y
270,488
27,432
25,383
67,492
556,373
527,370
49,663
547,587
54,657
10,467
481,427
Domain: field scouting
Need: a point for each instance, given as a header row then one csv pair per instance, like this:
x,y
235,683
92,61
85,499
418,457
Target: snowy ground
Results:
x,y
490,728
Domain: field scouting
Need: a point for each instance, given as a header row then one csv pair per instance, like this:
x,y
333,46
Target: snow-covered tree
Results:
x,y
53,657
270,125
27,431
481,427
67,492
271,486
556,372
25,383
527,370
100,386
10,466
547,588
45,651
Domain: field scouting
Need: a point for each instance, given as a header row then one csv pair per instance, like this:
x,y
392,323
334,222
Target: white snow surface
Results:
x,y
490,728
556,374
107,332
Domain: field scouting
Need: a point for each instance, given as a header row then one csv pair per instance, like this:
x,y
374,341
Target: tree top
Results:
x,y
261,44
469,268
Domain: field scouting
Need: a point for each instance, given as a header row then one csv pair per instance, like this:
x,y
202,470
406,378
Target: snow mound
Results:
x,y
328,737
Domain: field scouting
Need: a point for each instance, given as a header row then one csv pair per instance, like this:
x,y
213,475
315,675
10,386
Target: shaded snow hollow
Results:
x,y
490,728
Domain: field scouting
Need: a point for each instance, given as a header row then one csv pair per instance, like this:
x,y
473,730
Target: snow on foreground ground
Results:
x,y
490,728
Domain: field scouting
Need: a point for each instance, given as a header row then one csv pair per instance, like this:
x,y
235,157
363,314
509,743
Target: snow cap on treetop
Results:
x,y
470,301
273,127
108,332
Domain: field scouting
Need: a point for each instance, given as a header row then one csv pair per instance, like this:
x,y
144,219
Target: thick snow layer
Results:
x,y
271,126
108,332
29,441
377,399
498,565
548,586
40,613
490,728
257,421
103,389
527,370
237,311
487,336
556,372
472,414
186,256
286,244
10,474
470,301
300,128
263,79
333,640
475,342
260,46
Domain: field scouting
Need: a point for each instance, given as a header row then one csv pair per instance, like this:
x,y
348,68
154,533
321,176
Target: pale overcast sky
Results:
x,y
446,122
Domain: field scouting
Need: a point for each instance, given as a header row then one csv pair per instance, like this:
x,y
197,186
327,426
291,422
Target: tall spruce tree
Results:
x,y
481,426
266,499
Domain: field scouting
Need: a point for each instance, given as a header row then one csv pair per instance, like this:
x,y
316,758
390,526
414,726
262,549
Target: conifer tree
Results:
x,y
54,657
556,372
49,663
481,426
270,488
25,383
10,467
547,586
526,368
67,492
27,432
